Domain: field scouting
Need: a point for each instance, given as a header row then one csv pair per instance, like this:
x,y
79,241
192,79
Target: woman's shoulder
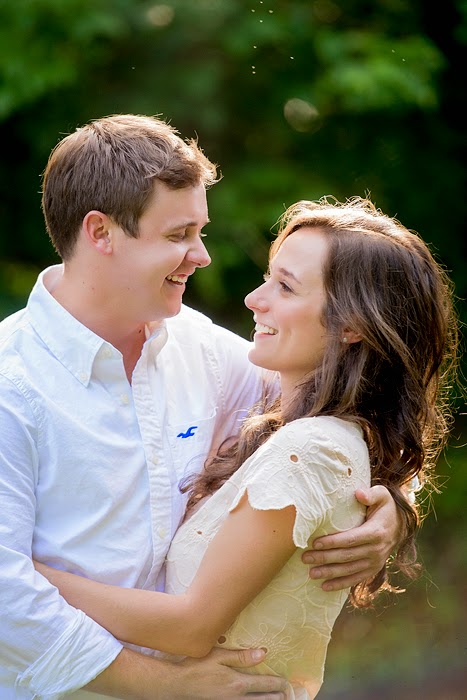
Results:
x,y
322,430
335,445
313,463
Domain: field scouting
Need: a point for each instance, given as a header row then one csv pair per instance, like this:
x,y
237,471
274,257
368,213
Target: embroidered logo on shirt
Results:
x,y
189,432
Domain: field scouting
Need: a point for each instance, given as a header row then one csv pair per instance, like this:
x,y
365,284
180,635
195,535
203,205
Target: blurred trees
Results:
x,y
293,98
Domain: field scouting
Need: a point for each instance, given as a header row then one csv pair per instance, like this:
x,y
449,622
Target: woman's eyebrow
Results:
x,y
288,274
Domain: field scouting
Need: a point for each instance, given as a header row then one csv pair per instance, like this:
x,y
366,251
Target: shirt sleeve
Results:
x,y
46,645
311,466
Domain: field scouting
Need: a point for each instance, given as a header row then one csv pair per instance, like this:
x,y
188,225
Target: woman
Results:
x,y
356,317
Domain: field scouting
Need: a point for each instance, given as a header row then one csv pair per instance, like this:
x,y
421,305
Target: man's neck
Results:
x,y
89,308
131,349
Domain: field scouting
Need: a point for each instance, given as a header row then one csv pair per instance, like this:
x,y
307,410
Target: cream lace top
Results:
x,y
314,464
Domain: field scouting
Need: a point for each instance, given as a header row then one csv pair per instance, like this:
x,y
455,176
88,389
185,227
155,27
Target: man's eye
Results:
x,y
285,287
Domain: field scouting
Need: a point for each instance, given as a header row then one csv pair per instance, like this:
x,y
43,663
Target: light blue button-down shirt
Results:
x,y
90,468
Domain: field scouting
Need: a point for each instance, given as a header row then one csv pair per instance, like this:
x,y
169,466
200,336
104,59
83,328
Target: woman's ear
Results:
x,y
97,231
349,336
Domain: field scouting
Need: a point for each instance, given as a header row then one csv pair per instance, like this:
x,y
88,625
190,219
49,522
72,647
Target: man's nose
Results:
x,y
199,255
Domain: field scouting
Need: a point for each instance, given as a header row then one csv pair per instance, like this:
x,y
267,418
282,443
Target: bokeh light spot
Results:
x,y
301,115
160,15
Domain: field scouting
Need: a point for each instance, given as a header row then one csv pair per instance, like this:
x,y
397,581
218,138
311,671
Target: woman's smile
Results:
x,y
289,335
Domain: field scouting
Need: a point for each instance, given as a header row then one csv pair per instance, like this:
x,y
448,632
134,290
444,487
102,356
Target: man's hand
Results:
x,y
346,558
215,676
133,676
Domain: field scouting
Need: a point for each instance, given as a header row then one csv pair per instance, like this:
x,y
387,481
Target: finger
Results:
x,y
369,533
356,537
269,696
377,496
340,570
334,556
244,658
338,584
239,658
363,496
265,686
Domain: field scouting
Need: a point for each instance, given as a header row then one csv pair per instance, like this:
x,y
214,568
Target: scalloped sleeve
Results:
x,y
314,464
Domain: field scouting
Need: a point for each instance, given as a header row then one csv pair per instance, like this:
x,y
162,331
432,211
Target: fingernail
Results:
x,y
316,573
264,649
318,545
257,654
309,558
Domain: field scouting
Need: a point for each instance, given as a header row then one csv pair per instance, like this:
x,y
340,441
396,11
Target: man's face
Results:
x,y
151,270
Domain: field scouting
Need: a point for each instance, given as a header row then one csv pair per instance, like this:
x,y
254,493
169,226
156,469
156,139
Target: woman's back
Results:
x,y
314,464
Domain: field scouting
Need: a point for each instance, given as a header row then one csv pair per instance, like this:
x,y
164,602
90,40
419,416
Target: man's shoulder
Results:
x,y
196,326
14,332
11,326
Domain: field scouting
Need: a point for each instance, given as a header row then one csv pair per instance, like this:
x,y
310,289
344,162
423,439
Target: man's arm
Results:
x,y
256,541
74,649
347,558
133,676
250,548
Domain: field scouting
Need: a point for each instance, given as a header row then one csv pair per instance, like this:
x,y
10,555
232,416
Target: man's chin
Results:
x,y
170,311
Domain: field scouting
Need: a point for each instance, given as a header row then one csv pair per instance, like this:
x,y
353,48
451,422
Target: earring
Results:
x,y
345,339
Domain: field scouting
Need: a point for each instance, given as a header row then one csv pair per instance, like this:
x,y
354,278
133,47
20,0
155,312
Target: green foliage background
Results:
x,y
294,99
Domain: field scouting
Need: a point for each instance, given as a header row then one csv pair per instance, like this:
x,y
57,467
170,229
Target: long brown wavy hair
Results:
x,y
382,282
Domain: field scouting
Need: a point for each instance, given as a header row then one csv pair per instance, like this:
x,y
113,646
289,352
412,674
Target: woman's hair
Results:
x,y
111,165
382,282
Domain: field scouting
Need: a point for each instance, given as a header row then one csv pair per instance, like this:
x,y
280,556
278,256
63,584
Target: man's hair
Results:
x,y
110,165
381,282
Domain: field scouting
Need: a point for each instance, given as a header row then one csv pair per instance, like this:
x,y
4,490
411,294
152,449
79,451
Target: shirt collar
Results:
x,y
72,343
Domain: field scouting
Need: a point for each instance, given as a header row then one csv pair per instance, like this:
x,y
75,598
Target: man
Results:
x,y
110,395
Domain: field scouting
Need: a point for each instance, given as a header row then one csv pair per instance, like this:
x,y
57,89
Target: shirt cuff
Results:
x,y
75,659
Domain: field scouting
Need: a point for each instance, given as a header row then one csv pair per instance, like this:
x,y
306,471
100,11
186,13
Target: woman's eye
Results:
x,y
285,287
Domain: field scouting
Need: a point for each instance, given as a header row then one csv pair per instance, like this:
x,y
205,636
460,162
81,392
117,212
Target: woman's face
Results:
x,y
289,335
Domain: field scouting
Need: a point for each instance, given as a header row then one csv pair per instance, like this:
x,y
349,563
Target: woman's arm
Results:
x,y
249,549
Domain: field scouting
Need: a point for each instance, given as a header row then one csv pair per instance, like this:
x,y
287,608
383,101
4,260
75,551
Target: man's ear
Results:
x,y
349,336
97,228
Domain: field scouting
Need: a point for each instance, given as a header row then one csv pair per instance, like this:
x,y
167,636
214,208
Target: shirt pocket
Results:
x,y
190,443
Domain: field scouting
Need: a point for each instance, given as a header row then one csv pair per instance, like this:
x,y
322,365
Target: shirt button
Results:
x,y
162,532
125,399
106,353
154,458
83,377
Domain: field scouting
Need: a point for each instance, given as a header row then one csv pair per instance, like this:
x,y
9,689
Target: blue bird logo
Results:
x,y
189,432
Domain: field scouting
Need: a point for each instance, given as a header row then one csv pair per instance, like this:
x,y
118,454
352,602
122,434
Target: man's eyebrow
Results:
x,y
186,224
290,275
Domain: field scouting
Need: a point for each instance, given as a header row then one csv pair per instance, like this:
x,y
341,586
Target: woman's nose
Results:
x,y
256,300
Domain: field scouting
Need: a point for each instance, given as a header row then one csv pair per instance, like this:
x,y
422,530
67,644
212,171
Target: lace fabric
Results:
x,y
314,464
